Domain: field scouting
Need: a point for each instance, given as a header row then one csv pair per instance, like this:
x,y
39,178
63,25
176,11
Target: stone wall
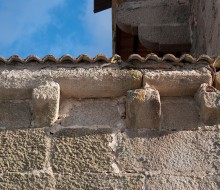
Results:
x,y
206,27
142,124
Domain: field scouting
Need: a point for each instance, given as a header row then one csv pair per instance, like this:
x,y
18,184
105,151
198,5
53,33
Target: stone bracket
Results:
x,y
45,99
208,99
143,109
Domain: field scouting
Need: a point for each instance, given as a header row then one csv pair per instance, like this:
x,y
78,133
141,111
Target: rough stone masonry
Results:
x,y
144,124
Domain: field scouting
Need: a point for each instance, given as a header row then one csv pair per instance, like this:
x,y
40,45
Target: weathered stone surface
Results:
x,y
21,181
82,150
179,113
143,109
16,84
92,112
209,102
76,83
22,150
186,152
167,182
205,27
15,114
217,81
177,83
46,99
99,181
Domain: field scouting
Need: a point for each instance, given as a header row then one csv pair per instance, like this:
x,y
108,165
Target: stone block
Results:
x,y
20,181
183,152
143,109
177,83
208,99
82,150
22,150
100,181
92,112
46,100
168,182
97,83
217,81
179,113
15,114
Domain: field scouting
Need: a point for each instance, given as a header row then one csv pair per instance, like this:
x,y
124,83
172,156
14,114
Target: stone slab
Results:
x,y
180,113
22,150
169,152
82,150
15,114
33,181
177,83
100,181
92,112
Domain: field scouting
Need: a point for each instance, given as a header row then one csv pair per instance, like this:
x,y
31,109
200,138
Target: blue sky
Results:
x,y
57,27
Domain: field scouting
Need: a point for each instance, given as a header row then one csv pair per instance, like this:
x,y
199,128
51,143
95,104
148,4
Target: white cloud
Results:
x,y
21,18
99,27
96,37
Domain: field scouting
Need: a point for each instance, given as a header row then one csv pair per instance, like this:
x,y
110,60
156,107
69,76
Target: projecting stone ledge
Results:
x,y
74,83
177,83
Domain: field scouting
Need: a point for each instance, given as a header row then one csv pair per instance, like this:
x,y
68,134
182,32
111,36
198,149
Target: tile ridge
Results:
x,y
114,59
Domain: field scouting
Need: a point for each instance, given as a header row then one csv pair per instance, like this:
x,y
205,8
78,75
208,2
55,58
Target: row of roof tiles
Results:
x,y
102,58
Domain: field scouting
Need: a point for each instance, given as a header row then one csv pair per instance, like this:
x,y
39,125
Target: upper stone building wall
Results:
x,y
103,123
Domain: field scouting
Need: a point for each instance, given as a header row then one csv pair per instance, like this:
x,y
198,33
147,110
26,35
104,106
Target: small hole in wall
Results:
x,y
51,133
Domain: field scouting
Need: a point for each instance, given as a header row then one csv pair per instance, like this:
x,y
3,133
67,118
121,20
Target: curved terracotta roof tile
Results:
x,y
101,58
205,58
3,60
84,58
216,63
153,57
32,58
15,58
49,58
170,57
187,58
136,57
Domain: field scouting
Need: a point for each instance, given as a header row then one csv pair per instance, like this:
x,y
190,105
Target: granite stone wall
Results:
x,y
134,125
